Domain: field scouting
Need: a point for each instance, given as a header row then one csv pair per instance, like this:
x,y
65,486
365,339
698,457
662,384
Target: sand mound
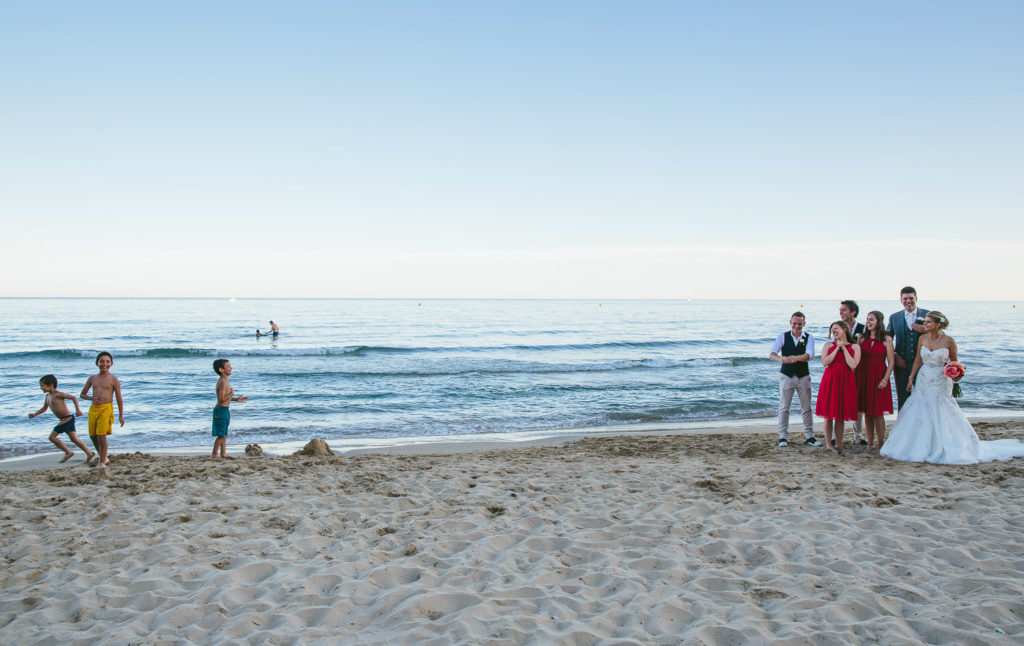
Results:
x,y
316,448
753,451
94,475
253,450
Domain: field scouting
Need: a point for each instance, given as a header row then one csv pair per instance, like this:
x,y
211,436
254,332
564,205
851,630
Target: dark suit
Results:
x,y
904,341
857,330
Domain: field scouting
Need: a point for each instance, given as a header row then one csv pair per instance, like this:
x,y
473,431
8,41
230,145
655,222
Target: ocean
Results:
x,y
373,372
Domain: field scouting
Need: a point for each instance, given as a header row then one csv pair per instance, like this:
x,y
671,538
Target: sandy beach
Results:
x,y
666,539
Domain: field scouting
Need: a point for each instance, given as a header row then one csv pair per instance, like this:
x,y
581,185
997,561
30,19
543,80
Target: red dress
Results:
x,y
837,392
870,370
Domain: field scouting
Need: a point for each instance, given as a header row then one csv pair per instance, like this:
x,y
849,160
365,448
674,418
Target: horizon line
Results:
x,y
477,298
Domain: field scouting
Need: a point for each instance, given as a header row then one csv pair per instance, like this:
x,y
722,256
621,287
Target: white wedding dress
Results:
x,y
932,428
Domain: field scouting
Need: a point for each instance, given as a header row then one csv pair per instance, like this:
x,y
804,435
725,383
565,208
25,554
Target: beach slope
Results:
x,y
709,539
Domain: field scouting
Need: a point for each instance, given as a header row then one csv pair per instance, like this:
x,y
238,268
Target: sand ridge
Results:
x,y
709,539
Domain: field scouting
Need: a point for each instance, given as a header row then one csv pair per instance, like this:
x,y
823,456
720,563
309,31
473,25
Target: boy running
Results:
x,y
65,420
105,388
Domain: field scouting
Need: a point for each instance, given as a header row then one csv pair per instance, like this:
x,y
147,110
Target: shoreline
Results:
x,y
459,444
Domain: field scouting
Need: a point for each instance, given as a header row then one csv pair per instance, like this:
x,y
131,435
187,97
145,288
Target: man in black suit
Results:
x,y
848,311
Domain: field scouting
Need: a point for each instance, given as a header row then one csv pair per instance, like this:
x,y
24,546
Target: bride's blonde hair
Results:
x,y
939,318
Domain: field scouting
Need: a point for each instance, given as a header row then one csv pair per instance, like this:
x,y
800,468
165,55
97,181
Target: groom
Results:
x,y
905,327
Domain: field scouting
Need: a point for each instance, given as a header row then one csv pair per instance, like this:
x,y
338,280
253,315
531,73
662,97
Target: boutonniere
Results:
x,y
920,320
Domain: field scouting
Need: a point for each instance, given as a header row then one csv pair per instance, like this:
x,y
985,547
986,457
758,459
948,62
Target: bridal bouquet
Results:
x,y
954,370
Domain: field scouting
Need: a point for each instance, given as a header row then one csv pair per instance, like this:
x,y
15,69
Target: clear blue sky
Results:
x,y
474,149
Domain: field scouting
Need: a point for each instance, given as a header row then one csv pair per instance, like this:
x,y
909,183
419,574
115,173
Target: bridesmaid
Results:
x,y
874,394
837,392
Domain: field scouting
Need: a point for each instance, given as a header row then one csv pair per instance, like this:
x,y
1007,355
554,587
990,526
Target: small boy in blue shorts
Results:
x,y
65,420
222,411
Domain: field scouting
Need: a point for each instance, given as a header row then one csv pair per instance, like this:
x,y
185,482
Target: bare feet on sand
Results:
x,y
89,456
67,456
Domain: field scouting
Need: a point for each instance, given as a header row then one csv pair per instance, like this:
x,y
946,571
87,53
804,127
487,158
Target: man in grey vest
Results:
x,y
905,327
793,350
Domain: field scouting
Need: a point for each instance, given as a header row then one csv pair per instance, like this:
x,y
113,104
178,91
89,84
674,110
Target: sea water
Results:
x,y
358,372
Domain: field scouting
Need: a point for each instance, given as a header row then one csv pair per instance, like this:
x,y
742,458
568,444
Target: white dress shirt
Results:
x,y
781,340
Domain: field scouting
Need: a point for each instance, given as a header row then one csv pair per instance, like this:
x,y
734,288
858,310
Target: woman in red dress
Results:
x,y
874,394
837,392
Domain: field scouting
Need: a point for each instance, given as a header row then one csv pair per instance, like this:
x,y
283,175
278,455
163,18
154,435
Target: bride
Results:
x,y
931,427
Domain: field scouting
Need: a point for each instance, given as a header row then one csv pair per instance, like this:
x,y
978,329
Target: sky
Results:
x,y
522,149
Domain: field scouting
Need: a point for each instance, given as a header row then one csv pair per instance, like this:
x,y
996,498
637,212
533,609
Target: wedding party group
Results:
x,y
859,361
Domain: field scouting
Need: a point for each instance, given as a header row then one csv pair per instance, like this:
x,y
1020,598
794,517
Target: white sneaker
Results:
x,y
783,442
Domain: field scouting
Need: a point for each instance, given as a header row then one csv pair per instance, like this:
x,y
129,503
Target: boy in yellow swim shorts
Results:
x,y
105,388
101,419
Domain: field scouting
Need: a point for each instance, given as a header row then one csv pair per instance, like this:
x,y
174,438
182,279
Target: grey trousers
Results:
x,y
802,386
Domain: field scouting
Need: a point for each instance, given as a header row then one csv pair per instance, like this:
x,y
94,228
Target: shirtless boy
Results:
x,y
222,411
65,420
105,388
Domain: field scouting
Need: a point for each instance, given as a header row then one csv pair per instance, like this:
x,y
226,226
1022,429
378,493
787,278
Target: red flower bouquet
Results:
x,y
954,370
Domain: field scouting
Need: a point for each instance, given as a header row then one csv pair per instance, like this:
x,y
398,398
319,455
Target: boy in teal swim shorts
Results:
x,y
222,411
